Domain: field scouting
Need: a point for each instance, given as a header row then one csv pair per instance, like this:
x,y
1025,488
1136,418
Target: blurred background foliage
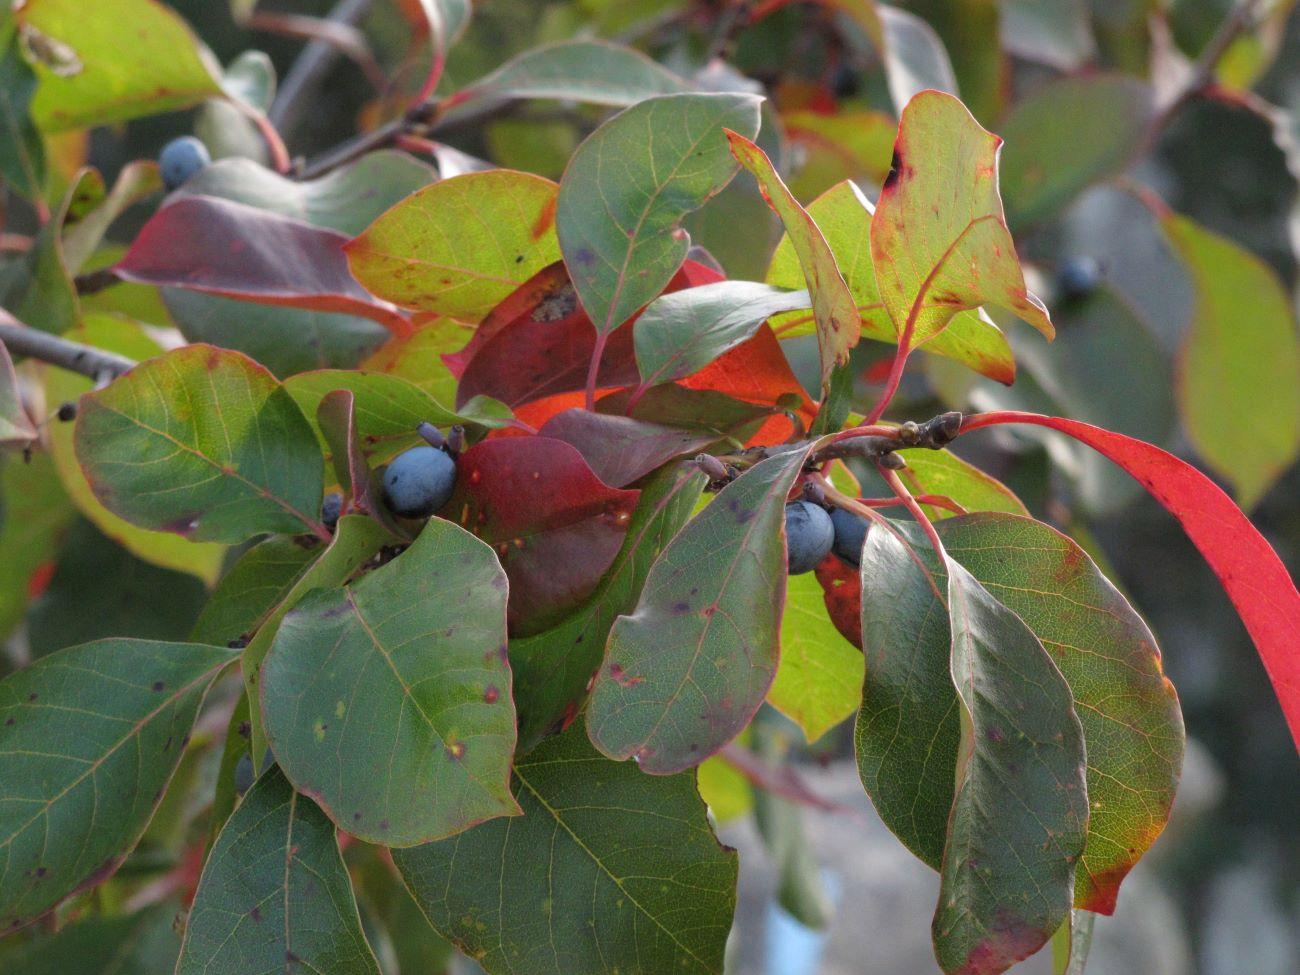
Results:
x,y
1089,95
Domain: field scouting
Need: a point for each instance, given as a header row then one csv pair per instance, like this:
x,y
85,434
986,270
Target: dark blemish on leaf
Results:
x,y
383,826
491,694
159,685
455,751
256,914
503,653
184,525
245,730
42,871
680,608
291,959
32,697
334,611
167,745
994,733
620,676
8,722
584,256
519,259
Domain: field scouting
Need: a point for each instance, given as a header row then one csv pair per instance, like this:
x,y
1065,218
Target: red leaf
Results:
x,y
620,449
842,593
555,526
219,247
539,342
1251,572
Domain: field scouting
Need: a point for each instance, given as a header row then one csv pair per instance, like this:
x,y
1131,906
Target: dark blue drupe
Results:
x,y
850,530
182,158
808,535
419,482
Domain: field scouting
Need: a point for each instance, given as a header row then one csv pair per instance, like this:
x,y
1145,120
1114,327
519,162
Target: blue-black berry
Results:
x,y
1078,278
182,158
419,481
850,530
330,510
809,534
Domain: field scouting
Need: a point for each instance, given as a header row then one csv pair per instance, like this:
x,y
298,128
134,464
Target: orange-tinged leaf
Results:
x,y
939,239
835,311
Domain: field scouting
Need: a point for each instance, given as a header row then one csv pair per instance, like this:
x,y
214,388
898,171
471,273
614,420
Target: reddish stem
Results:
x,y
780,780
593,370
905,496
933,500
271,136
895,377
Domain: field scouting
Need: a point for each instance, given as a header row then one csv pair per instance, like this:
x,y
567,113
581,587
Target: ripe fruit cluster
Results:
x,y
812,533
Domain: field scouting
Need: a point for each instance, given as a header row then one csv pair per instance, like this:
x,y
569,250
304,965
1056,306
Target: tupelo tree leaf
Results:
x,y
1007,873
686,671
418,645
337,419
610,870
834,309
943,472
85,78
844,215
593,71
218,247
202,442
912,53
142,943
35,512
672,158
619,449
447,20
16,429
1065,137
251,588
356,540
461,245
82,236
939,242
819,681
556,546
553,668
75,798
346,199
38,288
1251,572
274,894
1239,373
680,333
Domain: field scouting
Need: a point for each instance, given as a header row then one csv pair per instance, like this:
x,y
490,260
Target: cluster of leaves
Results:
x,y
454,701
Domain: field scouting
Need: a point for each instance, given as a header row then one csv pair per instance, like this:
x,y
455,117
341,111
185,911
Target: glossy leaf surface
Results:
x,y
419,645
610,870
76,797
204,443
672,157
688,668
274,894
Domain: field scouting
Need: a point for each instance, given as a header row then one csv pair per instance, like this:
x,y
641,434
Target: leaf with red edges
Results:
x,y
939,240
1251,572
687,670
554,525
620,449
217,247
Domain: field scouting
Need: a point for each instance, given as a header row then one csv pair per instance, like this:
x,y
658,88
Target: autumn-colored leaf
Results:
x,y
621,449
557,545
218,247
1252,574
461,245
939,241
834,308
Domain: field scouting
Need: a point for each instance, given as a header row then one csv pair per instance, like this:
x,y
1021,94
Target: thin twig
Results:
x,y
780,780
347,39
311,66
73,356
900,490
1241,19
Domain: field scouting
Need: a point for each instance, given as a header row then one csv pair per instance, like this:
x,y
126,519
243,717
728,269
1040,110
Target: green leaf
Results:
x,y
461,245
1067,136
87,78
165,549
76,797
552,668
1072,943
608,870
908,729
419,647
389,408
274,895
99,589
202,442
38,288
417,358
252,587
943,472
819,681
687,670
682,332
1239,377
447,21
1020,812
671,158
592,71
939,242
22,153
914,58
83,236
34,513
128,944
356,540
844,215
16,429
836,313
